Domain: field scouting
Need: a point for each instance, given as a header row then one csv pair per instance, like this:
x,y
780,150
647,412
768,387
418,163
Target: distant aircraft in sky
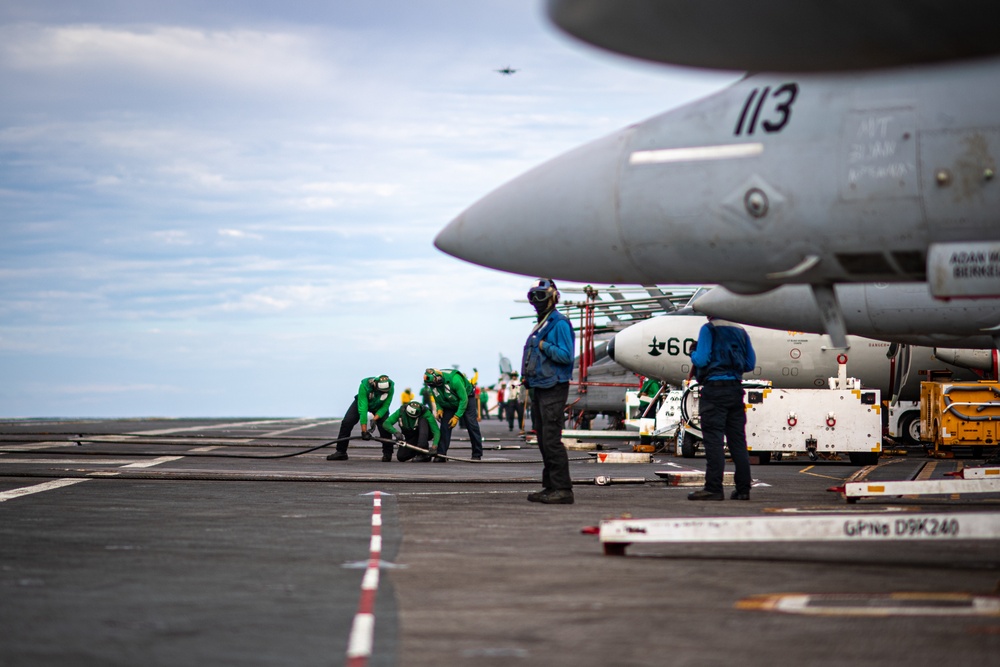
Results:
x,y
506,71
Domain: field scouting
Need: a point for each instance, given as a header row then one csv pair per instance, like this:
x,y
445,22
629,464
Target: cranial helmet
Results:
x,y
433,377
413,408
382,382
543,295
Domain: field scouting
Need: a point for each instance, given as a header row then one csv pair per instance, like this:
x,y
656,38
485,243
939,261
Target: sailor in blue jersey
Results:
x,y
546,368
723,354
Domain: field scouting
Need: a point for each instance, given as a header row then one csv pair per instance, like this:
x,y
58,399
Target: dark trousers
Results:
x,y
351,420
471,424
419,437
513,407
723,415
548,407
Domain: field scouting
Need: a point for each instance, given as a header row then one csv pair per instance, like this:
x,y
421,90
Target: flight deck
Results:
x,y
211,541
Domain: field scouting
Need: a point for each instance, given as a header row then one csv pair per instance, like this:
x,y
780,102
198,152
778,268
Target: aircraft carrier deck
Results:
x,y
141,555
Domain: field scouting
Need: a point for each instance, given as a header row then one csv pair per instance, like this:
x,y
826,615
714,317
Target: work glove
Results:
x,y
439,414
399,437
453,422
365,435
432,450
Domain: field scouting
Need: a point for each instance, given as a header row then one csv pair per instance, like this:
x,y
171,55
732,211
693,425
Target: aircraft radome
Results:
x,y
865,176
779,36
896,312
659,347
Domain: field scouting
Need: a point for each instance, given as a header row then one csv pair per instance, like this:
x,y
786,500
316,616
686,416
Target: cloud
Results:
x,y
236,58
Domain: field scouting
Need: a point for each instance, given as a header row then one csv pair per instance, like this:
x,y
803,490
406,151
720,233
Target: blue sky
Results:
x,y
227,209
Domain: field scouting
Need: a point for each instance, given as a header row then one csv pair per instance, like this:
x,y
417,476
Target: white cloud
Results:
x,y
235,58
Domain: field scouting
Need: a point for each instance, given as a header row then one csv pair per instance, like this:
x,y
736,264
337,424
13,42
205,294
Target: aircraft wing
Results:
x,y
785,35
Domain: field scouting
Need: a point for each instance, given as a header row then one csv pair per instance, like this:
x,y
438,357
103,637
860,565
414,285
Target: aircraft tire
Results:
x,y
689,445
909,428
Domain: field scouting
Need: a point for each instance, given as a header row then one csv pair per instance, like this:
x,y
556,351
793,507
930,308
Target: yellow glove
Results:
x,y
453,422
440,413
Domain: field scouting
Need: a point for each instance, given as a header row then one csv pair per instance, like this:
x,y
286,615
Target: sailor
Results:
x,y
374,396
405,397
516,396
647,393
546,368
455,398
417,427
720,358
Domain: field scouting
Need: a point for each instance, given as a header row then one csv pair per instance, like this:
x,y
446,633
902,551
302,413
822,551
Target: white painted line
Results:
x,y
38,488
206,427
87,461
696,153
362,636
371,579
857,527
153,462
37,445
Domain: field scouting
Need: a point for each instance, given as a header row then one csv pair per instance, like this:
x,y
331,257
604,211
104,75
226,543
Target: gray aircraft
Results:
x,y
878,175
898,312
660,348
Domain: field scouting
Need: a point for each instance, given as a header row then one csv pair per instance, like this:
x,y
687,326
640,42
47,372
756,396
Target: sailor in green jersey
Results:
x,y
455,398
374,396
418,427
484,403
647,393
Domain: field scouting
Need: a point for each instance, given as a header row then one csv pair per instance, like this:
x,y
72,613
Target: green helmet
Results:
x,y
382,383
413,408
433,377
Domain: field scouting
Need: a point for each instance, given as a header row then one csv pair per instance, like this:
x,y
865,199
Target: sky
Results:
x,y
228,208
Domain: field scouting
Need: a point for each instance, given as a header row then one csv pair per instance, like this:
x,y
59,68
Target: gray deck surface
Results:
x,y
232,561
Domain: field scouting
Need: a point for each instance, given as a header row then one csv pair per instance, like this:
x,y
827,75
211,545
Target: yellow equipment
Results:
x,y
959,413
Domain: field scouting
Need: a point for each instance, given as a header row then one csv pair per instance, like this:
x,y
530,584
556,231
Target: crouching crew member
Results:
x,y
417,427
455,398
546,369
375,396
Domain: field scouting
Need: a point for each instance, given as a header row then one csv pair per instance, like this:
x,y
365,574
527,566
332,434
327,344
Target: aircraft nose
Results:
x,y
561,215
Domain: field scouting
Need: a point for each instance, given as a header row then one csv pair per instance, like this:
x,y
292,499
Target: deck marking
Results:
x,y
38,488
875,604
69,481
362,637
805,471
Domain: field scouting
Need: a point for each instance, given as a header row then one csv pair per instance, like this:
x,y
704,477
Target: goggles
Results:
x,y
539,295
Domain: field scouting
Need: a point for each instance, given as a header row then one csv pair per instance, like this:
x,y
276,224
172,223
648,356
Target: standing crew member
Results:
x,y
405,397
649,390
484,403
721,357
515,403
455,398
546,368
375,396
418,427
